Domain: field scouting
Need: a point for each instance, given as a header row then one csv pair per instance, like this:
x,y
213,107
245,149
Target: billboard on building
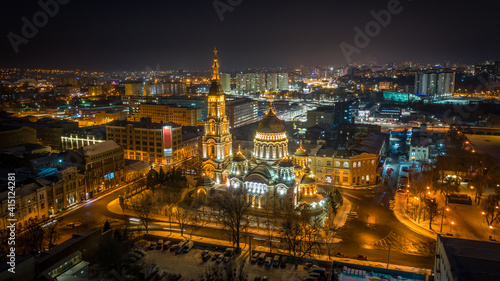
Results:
x,y
167,137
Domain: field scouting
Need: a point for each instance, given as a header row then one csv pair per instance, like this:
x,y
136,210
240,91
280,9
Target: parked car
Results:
x,y
361,257
206,257
229,252
182,245
314,274
264,278
173,247
215,256
220,259
254,257
167,245
140,252
262,258
153,245
226,259
269,261
276,260
308,265
339,255
188,246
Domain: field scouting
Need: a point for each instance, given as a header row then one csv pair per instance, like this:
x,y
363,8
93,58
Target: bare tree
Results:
x,y
182,217
491,209
171,187
52,233
143,206
431,207
234,208
32,238
300,233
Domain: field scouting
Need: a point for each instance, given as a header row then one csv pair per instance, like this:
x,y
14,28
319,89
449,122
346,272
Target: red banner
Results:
x,y
167,137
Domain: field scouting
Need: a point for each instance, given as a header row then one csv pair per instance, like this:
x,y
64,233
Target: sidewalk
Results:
x,y
341,216
399,212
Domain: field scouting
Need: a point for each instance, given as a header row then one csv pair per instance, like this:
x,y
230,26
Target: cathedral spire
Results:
x,y
215,75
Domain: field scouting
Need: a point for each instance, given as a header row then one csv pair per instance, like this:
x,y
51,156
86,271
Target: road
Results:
x,y
369,234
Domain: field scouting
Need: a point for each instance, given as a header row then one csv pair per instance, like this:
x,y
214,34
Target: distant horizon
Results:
x,y
116,36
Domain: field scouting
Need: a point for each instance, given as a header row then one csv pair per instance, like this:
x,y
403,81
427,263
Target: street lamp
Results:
x,y
442,217
452,224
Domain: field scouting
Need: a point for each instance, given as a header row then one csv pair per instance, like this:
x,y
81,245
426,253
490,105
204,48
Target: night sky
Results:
x,y
131,35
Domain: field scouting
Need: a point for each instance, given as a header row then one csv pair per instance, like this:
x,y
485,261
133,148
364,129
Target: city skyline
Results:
x,y
125,36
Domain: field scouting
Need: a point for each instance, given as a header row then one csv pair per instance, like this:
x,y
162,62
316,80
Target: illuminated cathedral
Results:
x,y
271,177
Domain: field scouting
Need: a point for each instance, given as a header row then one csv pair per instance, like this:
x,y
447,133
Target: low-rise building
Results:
x,y
466,260
358,164
101,164
419,144
16,135
160,113
106,116
83,137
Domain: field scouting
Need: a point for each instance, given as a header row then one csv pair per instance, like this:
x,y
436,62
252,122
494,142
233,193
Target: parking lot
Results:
x,y
192,266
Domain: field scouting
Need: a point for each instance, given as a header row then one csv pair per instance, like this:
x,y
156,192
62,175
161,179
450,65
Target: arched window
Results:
x,y
337,164
328,163
319,162
346,164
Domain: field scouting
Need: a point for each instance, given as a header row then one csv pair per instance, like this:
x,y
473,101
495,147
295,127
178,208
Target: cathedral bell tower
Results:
x,y
217,140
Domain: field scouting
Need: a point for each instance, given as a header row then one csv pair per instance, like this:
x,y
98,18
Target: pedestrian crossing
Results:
x,y
402,244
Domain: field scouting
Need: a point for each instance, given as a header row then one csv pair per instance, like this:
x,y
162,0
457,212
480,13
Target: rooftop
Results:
x,y
472,260
100,148
142,124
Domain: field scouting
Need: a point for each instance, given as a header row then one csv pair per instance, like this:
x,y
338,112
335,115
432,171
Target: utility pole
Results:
x,y
389,256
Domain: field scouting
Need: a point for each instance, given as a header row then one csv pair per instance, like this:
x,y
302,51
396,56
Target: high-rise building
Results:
x,y
435,85
168,88
225,81
487,67
282,81
217,141
242,112
272,82
134,88
95,90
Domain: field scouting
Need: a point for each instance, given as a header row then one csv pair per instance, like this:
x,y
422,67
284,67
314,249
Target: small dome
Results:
x,y
285,162
306,180
205,181
301,151
239,157
271,124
